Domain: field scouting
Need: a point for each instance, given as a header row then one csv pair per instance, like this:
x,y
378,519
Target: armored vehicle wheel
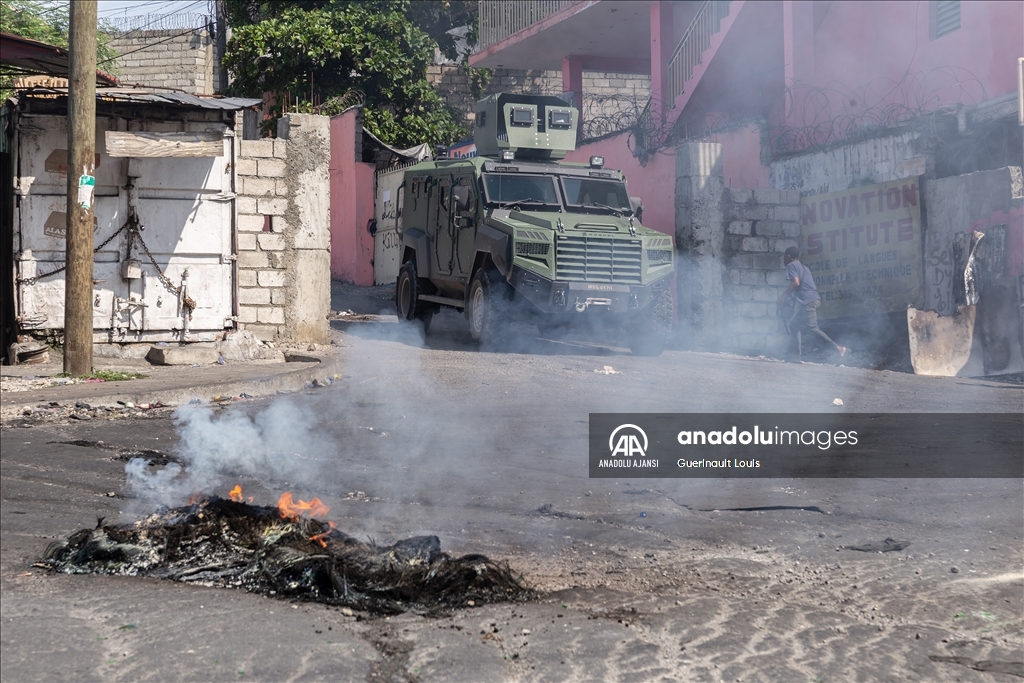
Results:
x,y
654,324
407,297
487,307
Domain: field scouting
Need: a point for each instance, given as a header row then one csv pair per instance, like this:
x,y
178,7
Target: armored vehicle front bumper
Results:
x,y
558,296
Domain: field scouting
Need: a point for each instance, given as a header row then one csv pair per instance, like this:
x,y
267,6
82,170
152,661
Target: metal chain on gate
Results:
x,y
131,225
187,302
35,278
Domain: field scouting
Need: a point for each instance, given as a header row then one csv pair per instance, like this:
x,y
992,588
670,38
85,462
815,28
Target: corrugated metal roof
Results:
x,y
138,96
23,56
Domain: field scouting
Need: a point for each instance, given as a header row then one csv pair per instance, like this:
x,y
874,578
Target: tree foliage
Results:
x,y
49,22
324,51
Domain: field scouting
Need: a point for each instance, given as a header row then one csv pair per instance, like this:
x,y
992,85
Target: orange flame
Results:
x,y
236,493
319,538
292,510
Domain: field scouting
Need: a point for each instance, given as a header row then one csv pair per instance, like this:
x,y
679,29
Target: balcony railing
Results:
x,y
501,18
695,41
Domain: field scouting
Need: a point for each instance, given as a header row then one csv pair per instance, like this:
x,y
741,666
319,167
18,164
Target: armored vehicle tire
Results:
x,y
654,325
487,306
407,297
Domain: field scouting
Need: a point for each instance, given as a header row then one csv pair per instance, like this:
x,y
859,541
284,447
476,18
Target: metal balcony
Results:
x,y
499,19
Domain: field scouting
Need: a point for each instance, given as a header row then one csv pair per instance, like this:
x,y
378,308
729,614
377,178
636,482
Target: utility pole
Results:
x,y
81,183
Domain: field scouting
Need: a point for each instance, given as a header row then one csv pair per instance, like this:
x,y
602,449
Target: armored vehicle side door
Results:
x,y
439,228
464,209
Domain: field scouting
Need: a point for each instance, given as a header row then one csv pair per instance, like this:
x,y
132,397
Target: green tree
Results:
x,y
337,51
48,22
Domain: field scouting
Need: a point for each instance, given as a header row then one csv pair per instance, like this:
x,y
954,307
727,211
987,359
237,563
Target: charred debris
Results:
x,y
267,550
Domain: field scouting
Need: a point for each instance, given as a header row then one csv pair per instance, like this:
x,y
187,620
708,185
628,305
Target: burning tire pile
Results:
x,y
285,553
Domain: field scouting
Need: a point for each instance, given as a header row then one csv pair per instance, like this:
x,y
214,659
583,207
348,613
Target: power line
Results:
x,y
119,10
146,47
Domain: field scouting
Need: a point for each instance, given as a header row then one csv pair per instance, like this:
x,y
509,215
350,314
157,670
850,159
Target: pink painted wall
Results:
x,y
858,43
655,183
352,190
741,158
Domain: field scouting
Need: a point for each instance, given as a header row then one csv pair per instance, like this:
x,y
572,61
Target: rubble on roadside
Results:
x,y
65,413
33,382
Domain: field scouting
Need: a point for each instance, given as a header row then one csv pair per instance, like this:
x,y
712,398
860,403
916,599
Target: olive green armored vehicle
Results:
x,y
517,234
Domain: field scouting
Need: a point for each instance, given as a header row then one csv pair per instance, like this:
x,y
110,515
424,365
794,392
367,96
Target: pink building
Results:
x,y
767,79
759,106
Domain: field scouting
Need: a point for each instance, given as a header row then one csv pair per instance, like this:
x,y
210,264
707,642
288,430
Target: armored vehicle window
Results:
x,y
502,188
584,191
560,118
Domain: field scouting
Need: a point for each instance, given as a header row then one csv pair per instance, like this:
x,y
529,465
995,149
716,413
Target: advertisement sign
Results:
x,y
863,248
462,150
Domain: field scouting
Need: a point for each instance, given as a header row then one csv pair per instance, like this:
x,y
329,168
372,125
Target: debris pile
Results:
x,y
282,552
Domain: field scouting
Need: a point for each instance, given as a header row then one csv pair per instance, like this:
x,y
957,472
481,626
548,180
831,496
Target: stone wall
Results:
x,y
283,232
604,94
730,243
165,59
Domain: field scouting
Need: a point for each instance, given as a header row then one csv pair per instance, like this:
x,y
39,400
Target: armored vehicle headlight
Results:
x,y
508,155
596,162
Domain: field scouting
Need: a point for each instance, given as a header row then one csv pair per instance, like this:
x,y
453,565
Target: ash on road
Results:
x,y
697,580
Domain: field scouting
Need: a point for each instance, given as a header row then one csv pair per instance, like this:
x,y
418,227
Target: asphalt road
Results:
x,y
639,579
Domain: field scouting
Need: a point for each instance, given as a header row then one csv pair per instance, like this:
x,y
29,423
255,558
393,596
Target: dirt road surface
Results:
x,y
639,580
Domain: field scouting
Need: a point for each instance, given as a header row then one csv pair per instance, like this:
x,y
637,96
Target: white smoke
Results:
x,y
278,444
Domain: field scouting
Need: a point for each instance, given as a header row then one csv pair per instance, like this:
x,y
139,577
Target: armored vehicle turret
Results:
x,y
516,234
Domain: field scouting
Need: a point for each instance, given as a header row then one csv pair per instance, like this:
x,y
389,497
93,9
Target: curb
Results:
x,y
317,369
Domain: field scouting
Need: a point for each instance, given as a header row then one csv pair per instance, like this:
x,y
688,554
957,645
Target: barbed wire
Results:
x,y
606,115
175,21
836,113
823,117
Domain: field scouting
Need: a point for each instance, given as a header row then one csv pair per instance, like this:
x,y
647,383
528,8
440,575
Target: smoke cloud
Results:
x,y
278,444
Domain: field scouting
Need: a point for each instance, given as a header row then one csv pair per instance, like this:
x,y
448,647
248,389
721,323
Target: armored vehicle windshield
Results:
x,y
507,188
588,192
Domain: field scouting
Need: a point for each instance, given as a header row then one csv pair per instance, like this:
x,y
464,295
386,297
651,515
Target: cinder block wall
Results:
x,y
453,85
283,229
760,226
730,242
167,60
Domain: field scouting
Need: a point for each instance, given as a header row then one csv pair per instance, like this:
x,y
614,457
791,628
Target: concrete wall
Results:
x,y
604,94
700,219
761,225
878,160
352,195
730,243
965,203
283,232
165,59
741,157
